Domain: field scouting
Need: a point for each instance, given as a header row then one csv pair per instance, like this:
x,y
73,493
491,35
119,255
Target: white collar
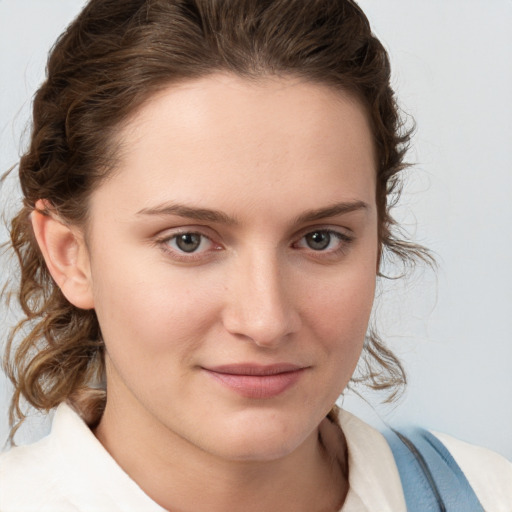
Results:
x,y
373,476
99,482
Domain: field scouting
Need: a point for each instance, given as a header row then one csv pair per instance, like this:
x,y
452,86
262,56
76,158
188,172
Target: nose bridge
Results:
x,y
260,306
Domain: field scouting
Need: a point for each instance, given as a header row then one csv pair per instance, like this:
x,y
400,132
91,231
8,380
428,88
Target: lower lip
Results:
x,y
258,386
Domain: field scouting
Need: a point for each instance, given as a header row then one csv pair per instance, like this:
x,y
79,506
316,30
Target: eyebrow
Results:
x,y
206,214
189,212
331,211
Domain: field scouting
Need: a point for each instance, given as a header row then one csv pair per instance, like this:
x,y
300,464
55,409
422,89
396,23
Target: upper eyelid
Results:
x,y
167,234
339,234
342,231
167,239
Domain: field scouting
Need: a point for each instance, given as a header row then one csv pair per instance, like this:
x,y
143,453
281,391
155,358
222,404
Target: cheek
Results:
x,y
144,312
340,314
336,319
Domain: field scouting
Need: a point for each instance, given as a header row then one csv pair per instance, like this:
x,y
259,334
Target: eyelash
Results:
x,y
344,241
178,254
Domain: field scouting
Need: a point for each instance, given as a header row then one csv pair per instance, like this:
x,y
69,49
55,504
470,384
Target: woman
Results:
x,y
206,209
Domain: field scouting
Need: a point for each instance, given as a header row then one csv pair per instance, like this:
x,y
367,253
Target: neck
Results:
x,y
183,478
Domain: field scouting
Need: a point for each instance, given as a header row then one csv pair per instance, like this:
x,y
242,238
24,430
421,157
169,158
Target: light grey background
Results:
x,y
453,74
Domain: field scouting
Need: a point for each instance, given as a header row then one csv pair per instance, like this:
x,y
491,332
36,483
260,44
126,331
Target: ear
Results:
x,y
65,253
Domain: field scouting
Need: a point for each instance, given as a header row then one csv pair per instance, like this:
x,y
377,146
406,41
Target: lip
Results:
x,y
257,381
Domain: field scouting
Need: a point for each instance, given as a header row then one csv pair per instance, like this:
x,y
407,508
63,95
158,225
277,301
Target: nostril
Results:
x,y
263,327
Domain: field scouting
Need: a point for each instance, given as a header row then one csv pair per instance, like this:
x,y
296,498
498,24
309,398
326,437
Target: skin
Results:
x,y
269,158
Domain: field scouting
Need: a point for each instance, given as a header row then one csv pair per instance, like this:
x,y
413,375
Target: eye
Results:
x,y
324,240
188,243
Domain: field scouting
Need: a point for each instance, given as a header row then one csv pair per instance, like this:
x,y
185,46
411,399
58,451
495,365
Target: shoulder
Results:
x,y
29,477
374,474
69,471
489,474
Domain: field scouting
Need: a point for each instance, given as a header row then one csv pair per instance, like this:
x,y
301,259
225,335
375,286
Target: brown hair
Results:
x,y
110,60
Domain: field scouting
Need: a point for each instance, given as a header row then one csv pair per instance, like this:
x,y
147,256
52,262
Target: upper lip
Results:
x,y
255,369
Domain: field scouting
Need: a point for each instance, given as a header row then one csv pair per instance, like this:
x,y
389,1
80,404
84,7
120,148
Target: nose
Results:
x,y
260,302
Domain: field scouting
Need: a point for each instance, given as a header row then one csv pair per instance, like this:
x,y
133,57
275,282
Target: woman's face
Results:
x,y
232,262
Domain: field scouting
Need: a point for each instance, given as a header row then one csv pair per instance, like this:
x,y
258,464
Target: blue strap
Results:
x,y
431,479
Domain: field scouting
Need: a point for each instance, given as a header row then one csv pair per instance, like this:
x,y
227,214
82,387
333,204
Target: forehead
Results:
x,y
210,138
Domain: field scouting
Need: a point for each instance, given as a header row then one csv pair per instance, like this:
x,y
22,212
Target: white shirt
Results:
x,y
70,471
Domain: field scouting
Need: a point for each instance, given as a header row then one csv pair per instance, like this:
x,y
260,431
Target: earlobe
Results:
x,y
65,254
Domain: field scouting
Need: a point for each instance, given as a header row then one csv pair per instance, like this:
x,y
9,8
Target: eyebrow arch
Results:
x,y
189,212
331,211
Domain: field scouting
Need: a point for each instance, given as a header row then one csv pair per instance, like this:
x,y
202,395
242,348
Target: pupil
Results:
x,y
188,242
318,240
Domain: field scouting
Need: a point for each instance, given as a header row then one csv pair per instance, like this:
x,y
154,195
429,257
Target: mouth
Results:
x,y
257,381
